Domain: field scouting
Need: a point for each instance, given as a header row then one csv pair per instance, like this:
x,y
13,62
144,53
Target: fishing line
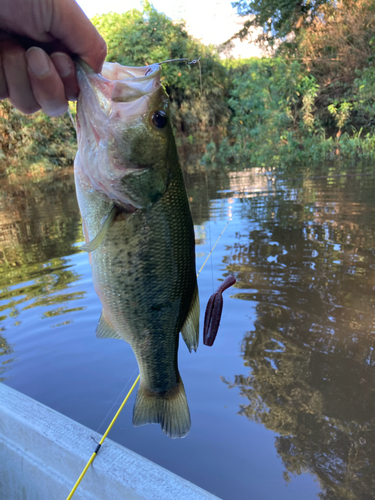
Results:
x,y
118,397
209,229
200,72
217,241
184,59
72,119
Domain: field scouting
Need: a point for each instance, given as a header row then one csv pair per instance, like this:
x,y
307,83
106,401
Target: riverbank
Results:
x,y
305,104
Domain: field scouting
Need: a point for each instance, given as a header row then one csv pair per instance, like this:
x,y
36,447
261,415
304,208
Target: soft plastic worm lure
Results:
x,y
214,308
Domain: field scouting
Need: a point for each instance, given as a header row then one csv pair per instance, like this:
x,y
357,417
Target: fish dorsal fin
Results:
x,y
106,331
93,244
190,329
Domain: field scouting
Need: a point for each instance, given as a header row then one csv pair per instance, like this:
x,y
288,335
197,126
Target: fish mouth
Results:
x,y
119,84
120,93
115,71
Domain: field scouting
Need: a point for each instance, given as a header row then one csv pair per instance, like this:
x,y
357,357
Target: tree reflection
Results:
x,y
5,350
38,224
39,221
202,188
310,268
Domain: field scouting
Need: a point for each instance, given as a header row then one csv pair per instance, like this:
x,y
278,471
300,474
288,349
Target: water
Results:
x,y
283,404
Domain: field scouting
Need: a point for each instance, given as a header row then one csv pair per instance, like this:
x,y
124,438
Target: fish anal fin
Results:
x,y
169,409
190,329
105,330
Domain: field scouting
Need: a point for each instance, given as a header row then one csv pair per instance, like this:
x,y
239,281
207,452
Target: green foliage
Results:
x,y
338,50
309,91
141,38
279,117
341,112
272,101
37,142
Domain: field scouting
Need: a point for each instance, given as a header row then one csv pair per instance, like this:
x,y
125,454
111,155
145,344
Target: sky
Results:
x,y
211,21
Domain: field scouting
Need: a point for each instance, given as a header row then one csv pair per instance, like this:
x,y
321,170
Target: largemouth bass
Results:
x,y
139,231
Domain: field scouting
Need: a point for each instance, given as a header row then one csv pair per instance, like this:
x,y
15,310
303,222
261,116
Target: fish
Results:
x,y
138,231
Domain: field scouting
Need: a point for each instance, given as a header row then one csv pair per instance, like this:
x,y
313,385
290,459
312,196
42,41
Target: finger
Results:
x,y
3,83
71,26
66,70
46,82
17,78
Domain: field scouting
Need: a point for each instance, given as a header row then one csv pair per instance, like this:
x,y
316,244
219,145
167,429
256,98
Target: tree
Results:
x,y
338,50
276,18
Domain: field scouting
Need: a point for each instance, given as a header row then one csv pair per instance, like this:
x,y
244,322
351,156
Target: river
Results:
x,y
283,404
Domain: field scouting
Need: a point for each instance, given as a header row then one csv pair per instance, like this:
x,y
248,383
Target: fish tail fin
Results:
x,y
169,409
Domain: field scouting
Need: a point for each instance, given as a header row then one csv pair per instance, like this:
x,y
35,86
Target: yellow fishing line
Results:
x,y
128,394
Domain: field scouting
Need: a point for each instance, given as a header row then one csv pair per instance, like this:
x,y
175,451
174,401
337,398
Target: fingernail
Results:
x,y
63,64
37,61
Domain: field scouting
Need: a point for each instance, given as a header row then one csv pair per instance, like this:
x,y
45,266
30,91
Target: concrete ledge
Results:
x,y
42,454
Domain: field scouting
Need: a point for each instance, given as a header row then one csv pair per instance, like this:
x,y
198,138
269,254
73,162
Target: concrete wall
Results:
x,y
42,454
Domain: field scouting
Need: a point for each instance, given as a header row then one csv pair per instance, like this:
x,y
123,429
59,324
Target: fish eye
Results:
x,y
159,119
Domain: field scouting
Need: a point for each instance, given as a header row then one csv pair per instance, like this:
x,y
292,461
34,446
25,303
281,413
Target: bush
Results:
x,y
279,117
142,38
272,104
36,140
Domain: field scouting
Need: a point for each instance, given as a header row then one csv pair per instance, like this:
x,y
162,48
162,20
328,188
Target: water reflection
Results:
x,y
39,221
303,253
306,259
5,350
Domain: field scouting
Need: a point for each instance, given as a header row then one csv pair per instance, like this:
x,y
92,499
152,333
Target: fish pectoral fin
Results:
x,y
190,329
94,244
106,331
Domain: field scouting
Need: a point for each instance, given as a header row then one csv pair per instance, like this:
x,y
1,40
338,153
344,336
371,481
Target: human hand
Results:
x,y
37,40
